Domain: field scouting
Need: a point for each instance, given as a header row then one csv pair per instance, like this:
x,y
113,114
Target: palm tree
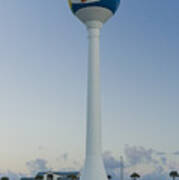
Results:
x,y
39,177
174,174
135,176
72,177
4,178
109,177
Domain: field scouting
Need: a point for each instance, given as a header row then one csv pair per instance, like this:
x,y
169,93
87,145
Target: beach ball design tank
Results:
x,y
111,5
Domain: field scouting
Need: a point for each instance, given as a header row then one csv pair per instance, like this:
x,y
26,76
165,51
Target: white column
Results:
x,y
94,167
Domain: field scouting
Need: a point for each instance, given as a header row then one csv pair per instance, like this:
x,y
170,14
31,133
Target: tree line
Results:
x,y
133,176
172,174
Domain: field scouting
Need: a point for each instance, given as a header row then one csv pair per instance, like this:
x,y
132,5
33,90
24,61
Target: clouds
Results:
x,y
110,161
155,175
137,155
173,165
111,164
150,163
163,160
33,166
37,165
160,153
65,156
11,175
176,153
135,160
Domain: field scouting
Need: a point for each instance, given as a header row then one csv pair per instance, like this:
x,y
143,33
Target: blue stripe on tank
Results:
x,y
109,4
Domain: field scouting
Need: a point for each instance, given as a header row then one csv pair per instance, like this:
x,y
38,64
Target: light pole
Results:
x,y
121,168
93,13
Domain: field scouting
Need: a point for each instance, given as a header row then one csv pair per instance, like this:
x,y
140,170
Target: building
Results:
x,y
51,175
27,178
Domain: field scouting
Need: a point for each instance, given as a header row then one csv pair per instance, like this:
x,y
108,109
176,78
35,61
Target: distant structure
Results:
x,y
27,178
51,175
93,13
121,168
58,175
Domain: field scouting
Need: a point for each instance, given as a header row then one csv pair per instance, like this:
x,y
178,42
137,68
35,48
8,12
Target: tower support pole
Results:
x,y
94,167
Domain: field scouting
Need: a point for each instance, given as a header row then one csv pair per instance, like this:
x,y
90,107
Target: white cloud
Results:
x,y
151,164
65,156
137,155
176,153
12,175
111,164
37,165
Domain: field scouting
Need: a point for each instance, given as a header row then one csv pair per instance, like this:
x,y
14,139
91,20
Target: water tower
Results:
x,y
93,13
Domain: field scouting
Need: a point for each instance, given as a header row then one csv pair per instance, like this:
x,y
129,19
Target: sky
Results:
x,y
43,73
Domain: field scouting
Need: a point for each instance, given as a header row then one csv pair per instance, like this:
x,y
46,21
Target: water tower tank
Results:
x,y
94,10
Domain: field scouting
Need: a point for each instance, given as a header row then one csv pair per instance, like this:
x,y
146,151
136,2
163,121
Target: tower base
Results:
x,y
93,169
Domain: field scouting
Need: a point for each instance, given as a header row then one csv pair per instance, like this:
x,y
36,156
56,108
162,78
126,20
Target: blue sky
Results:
x,y
43,64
